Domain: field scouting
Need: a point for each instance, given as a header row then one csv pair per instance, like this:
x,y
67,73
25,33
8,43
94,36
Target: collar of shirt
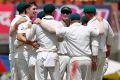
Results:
x,y
75,24
93,19
48,17
28,19
63,23
18,16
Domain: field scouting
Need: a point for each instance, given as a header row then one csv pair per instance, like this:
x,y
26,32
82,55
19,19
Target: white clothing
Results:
x,y
21,70
43,39
41,72
80,68
107,37
13,37
102,40
47,57
63,57
77,45
22,47
61,46
22,54
12,50
77,39
64,64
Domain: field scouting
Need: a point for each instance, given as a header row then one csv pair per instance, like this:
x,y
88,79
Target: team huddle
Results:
x,y
75,46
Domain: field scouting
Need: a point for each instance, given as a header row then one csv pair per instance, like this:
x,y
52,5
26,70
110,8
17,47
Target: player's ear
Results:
x,y
27,10
53,13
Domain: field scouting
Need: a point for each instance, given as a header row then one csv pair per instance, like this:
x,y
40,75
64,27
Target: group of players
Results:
x,y
58,47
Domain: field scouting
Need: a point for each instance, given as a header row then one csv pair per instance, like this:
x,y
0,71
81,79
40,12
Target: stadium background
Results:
x,y
109,9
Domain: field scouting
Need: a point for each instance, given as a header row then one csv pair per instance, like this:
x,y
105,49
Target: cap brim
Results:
x,y
65,11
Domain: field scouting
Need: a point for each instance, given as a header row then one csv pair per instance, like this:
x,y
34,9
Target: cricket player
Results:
x,y
23,47
47,58
103,41
63,58
33,55
21,7
77,39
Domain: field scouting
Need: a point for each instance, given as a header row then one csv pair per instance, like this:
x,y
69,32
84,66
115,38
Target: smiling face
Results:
x,y
32,10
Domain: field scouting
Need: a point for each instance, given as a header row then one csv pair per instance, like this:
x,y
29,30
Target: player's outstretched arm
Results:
x,y
45,26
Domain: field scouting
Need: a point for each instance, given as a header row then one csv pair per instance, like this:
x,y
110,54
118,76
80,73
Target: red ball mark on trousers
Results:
x,y
73,70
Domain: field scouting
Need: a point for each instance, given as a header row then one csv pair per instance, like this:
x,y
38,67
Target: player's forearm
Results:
x,y
94,63
94,58
108,48
47,27
12,31
21,37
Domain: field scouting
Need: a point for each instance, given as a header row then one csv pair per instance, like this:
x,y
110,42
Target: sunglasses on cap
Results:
x,y
65,12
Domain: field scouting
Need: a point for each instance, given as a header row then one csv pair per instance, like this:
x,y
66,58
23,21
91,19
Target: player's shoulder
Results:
x,y
15,19
91,28
105,21
37,26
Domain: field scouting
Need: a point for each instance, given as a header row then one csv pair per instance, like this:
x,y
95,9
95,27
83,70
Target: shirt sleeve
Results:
x,y
94,49
94,31
30,34
61,31
11,30
110,35
21,28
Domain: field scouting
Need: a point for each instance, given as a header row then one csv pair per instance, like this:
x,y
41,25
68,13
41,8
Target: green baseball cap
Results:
x,y
89,9
22,6
41,14
75,16
66,9
84,19
49,8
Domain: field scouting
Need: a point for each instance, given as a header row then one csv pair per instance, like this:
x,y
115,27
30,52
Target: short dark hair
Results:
x,y
49,8
33,3
30,4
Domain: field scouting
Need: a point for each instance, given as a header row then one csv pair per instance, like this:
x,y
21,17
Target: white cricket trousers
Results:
x,y
12,69
31,64
21,71
11,60
79,69
41,71
98,74
64,63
